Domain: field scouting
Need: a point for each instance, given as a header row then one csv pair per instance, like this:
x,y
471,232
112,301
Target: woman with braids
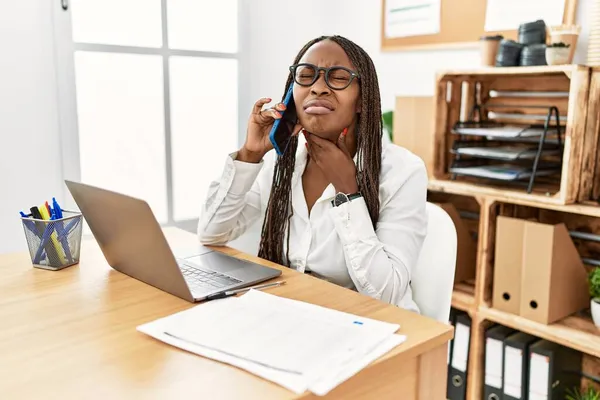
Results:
x,y
338,203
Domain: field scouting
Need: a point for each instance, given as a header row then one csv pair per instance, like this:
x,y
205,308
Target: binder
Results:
x,y
494,361
457,386
508,264
549,366
554,279
516,365
452,320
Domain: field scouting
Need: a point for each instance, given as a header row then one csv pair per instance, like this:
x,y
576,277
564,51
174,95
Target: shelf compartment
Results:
x,y
484,150
504,172
459,91
577,331
499,131
463,296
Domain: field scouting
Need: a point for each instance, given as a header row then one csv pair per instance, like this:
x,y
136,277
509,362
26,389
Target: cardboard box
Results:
x,y
508,260
554,279
538,273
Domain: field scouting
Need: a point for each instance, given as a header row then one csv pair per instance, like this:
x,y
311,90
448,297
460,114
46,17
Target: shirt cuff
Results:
x,y
241,174
352,221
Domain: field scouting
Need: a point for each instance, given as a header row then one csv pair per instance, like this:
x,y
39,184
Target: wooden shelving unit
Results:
x,y
573,200
463,297
577,332
474,297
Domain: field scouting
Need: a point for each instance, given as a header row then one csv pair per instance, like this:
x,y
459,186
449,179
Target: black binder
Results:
x,y
457,381
494,361
516,365
551,368
452,320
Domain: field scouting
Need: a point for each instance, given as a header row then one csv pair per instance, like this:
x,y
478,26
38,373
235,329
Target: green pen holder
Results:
x,y
54,244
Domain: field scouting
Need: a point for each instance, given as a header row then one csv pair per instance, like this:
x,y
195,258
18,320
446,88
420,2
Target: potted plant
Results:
x,y
557,53
577,394
388,124
594,283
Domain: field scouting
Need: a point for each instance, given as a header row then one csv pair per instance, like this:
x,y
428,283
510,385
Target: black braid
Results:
x,y
368,133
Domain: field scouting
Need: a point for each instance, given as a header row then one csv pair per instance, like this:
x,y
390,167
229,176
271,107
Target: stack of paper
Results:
x,y
297,345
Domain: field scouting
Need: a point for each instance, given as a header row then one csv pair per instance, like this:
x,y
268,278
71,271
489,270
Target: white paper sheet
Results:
x,y
503,15
412,17
297,345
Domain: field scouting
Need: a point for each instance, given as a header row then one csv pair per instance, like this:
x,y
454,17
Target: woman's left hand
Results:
x,y
334,160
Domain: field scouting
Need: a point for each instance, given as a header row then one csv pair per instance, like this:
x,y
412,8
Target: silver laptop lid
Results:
x,y
130,237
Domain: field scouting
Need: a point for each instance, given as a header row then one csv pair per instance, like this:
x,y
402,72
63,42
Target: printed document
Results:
x,y
295,344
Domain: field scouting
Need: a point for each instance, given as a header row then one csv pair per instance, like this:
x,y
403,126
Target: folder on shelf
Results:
x,y
452,320
554,279
550,370
516,365
460,358
494,361
508,264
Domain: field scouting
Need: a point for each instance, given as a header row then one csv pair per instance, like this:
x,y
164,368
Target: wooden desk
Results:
x,y
71,334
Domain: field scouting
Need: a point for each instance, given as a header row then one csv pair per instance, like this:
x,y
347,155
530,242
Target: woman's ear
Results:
x,y
359,106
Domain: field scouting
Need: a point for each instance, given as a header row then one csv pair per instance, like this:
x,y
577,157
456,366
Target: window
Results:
x,y
155,87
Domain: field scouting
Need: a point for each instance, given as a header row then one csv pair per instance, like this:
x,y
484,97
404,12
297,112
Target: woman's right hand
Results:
x,y
259,126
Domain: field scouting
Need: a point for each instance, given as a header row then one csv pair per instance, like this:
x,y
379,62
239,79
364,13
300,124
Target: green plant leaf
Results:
x,y
388,123
594,283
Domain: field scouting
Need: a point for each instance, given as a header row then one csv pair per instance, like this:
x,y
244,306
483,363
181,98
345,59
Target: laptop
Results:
x,y
133,243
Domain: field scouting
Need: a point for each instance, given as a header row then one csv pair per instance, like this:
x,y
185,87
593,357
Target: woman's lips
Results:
x,y
318,107
317,110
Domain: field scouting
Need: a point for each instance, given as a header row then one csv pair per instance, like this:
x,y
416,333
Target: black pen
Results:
x,y
229,293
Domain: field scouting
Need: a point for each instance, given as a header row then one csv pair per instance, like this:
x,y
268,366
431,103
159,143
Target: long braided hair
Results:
x,y
276,224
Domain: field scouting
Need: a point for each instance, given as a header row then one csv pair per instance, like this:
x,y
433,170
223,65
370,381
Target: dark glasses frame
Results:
x,y
326,71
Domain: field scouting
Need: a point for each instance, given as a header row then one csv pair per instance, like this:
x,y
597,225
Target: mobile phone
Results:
x,y
281,132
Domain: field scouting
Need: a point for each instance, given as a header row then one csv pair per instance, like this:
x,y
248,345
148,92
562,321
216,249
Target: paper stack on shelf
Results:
x,y
297,345
509,153
499,131
502,172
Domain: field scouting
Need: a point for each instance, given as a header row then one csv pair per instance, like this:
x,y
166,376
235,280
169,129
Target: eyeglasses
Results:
x,y
336,77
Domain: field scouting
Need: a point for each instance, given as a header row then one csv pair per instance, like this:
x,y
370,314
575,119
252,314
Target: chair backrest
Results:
x,y
433,276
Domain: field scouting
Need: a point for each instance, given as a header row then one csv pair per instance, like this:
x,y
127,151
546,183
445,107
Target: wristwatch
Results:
x,y
342,198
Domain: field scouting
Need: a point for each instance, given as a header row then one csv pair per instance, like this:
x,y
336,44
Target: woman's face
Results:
x,y
321,110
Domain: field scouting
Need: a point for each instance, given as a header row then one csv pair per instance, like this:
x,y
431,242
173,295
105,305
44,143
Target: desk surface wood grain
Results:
x,y
72,333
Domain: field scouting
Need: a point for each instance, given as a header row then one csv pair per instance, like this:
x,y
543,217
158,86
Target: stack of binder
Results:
x,y
522,366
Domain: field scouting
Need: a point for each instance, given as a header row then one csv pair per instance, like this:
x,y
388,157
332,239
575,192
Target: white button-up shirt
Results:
x,y
338,244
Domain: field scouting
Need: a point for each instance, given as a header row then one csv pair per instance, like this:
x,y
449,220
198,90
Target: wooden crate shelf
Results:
x,y
475,297
463,297
514,197
576,332
567,87
573,199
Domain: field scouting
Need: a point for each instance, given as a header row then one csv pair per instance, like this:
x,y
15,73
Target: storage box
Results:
x,y
538,273
470,103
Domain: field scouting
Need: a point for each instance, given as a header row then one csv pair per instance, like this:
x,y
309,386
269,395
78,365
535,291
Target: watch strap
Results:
x,y
349,196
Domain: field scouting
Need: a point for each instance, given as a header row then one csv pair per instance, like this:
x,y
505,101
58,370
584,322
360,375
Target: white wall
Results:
x,y
277,33
30,166
272,33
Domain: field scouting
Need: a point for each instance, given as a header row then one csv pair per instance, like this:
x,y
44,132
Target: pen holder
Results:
x,y
54,244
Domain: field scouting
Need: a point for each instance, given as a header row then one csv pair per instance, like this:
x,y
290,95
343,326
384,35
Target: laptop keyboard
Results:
x,y
201,279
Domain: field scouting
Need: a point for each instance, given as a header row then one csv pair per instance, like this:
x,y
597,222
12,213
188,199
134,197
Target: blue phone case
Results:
x,y
286,101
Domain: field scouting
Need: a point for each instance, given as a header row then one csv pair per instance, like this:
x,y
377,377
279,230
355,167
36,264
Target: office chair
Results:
x,y
433,276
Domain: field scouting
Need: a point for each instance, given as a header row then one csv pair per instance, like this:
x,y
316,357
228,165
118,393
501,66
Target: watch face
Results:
x,y
340,198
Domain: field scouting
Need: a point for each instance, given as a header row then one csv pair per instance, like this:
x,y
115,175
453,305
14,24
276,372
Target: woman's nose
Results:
x,y
320,86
